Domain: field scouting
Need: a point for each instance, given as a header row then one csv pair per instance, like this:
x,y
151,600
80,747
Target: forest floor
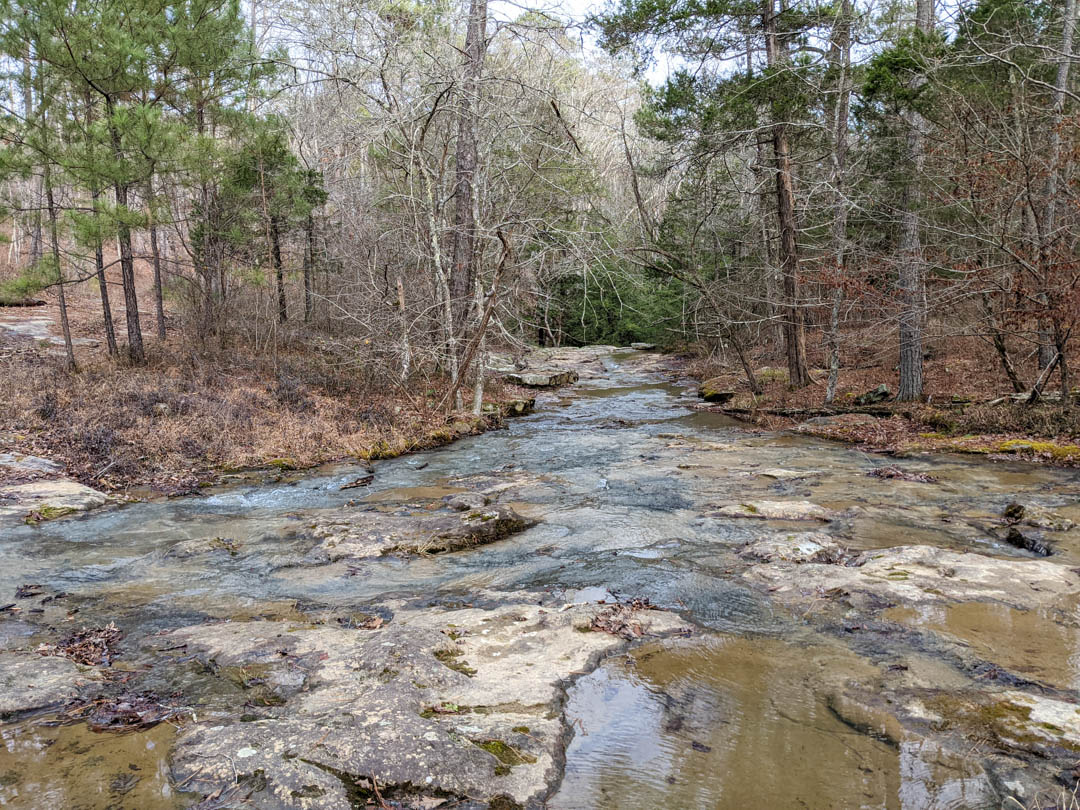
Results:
x,y
185,419
963,382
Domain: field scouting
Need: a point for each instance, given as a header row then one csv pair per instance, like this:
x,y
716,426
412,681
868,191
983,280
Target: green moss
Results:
x,y
521,729
47,512
282,464
1056,451
308,792
443,708
449,659
506,754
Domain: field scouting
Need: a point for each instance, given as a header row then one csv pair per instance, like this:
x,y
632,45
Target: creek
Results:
x,y
623,476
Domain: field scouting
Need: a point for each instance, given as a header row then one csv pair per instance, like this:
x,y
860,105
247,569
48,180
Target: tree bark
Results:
x,y
309,268
279,270
911,271
35,251
1049,229
464,238
103,287
159,296
54,239
794,331
840,61
127,261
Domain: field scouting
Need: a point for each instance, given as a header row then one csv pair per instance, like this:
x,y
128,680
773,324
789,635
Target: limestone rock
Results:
x,y
802,547
1037,517
912,575
45,500
775,510
357,535
787,475
460,703
22,464
548,378
32,682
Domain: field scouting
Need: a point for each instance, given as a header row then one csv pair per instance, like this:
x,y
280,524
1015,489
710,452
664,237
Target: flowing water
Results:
x,y
621,474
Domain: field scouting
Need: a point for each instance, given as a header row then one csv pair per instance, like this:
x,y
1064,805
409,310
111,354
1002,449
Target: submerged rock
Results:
x,y
204,545
357,535
787,475
1028,542
32,682
1012,721
774,510
439,704
1037,517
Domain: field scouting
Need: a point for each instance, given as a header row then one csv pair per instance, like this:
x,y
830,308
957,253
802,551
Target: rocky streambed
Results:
x,y
618,601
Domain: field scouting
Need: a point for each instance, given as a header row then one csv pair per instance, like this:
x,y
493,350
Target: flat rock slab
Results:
x,y
910,575
30,682
22,464
439,704
45,500
775,510
544,378
780,474
357,535
801,547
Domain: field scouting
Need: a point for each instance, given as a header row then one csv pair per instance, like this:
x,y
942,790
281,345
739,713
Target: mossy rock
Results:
x,y
714,390
1058,452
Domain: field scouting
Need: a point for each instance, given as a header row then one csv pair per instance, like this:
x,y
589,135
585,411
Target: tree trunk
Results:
x,y
911,270
54,239
127,261
279,270
1049,230
309,269
794,332
464,237
103,287
35,251
155,253
840,61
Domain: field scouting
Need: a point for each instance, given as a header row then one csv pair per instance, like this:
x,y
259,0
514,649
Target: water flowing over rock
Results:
x,y
440,703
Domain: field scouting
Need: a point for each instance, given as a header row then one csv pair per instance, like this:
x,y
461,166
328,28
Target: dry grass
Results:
x,y
180,420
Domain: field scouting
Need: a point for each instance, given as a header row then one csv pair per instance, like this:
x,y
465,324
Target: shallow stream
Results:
x,y
621,472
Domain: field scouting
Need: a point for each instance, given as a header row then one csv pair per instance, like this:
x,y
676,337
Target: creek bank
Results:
x,y
441,703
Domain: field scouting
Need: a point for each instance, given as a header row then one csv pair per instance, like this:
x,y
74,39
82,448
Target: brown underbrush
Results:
x,y
182,419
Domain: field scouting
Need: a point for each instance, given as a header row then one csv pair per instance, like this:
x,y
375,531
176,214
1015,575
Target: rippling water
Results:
x,y
621,475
